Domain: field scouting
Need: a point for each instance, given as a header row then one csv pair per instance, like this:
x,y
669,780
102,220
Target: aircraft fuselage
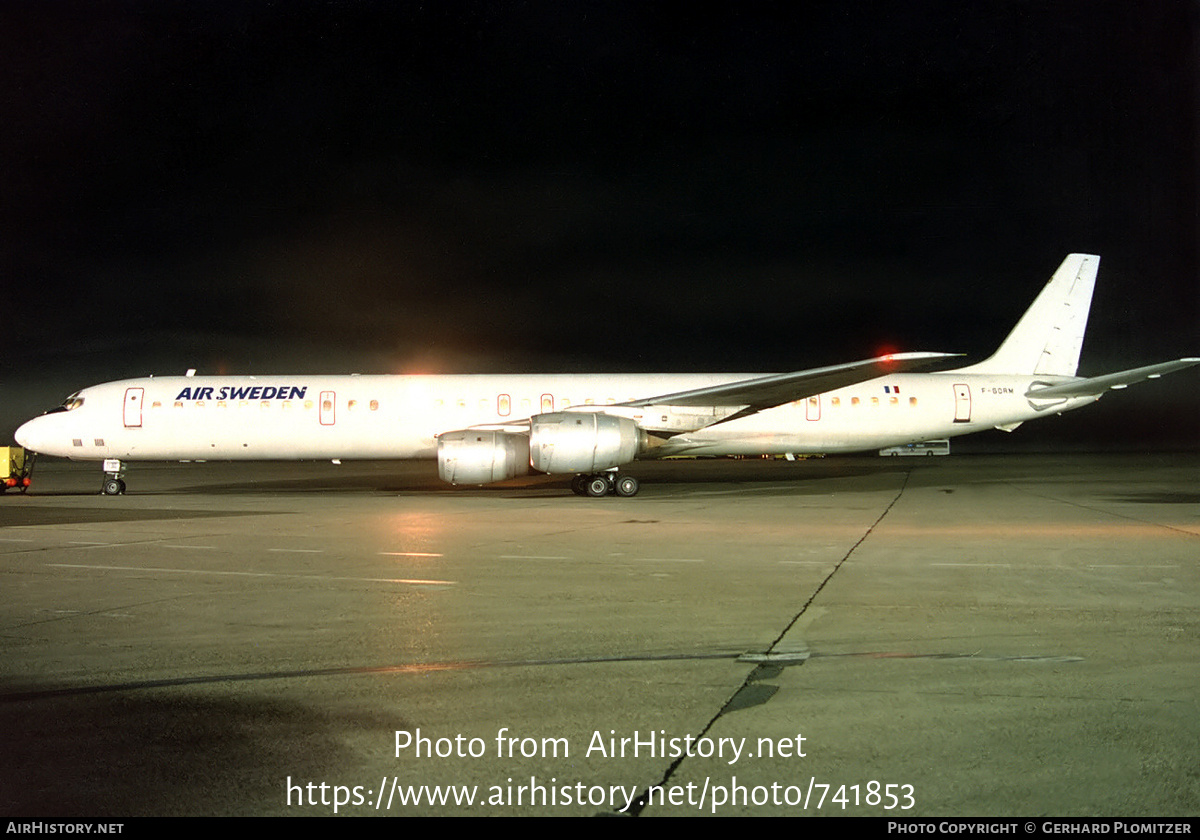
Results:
x,y
382,417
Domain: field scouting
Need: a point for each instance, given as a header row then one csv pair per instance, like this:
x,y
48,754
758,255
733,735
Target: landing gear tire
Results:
x,y
113,487
602,484
597,486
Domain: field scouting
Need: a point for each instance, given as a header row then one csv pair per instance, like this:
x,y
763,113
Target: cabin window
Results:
x,y
374,405
504,405
156,404
220,403
835,401
308,404
178,404
547,403
351,404
854,401
894,401
912,401
199,403
287,404
874,400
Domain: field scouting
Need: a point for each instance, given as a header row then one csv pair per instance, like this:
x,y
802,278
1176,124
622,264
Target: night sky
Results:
x,y
332,187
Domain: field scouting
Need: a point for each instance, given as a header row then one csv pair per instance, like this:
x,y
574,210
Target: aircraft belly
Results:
x,y
202,434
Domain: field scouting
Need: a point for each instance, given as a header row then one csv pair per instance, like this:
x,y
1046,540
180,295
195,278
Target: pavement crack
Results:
x,y
840,563
752,692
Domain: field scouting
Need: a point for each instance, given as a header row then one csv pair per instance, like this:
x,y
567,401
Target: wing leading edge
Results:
x,y
763,392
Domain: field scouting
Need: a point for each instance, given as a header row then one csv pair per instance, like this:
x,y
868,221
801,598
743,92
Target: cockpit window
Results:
x,y
72,402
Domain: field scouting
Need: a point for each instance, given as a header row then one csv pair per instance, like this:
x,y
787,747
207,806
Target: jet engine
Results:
x,y
481,457
583,442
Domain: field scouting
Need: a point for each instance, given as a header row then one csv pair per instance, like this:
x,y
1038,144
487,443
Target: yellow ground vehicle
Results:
x,y
16,467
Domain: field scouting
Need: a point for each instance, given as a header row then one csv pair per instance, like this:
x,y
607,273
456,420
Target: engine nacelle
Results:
x,y
481,457
583,442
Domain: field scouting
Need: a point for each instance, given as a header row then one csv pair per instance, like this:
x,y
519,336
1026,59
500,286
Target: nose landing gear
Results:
x,y
114,485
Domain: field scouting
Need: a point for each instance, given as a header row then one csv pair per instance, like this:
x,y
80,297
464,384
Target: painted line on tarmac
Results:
x,y
409,581
1133,566
665,560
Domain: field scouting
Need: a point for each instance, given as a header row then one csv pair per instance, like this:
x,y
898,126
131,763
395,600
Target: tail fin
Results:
x,y
1049,336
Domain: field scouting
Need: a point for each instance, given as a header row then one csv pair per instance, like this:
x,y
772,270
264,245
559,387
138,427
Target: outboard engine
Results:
x,y
583,442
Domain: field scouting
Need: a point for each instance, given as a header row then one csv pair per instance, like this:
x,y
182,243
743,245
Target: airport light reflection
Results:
x,y
415,537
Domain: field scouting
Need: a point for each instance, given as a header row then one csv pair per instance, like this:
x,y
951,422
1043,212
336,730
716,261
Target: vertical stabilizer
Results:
x,y
1049,336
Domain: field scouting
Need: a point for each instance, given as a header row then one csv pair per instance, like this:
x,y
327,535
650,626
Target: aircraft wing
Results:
x,y
516,427
1097,385
765,392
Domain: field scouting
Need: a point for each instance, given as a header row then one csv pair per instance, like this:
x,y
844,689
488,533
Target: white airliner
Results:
x,y
490,428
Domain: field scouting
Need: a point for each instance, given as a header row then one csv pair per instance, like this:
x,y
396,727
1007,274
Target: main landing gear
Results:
x,y
604,484
114,485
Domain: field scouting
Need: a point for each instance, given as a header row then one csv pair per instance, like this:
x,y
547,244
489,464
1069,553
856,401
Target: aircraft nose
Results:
x,y
29,436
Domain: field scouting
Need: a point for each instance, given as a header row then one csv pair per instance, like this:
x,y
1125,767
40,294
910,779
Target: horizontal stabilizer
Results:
x,y
1097,385
769,391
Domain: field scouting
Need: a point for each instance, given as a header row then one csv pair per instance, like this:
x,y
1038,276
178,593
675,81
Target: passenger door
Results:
x,y
133,407
962,404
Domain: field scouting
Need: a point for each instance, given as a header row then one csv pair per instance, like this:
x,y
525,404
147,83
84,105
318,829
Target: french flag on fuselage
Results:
x,y
891,389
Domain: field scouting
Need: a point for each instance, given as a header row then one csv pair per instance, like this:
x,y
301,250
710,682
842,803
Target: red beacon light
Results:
x,y
886,355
